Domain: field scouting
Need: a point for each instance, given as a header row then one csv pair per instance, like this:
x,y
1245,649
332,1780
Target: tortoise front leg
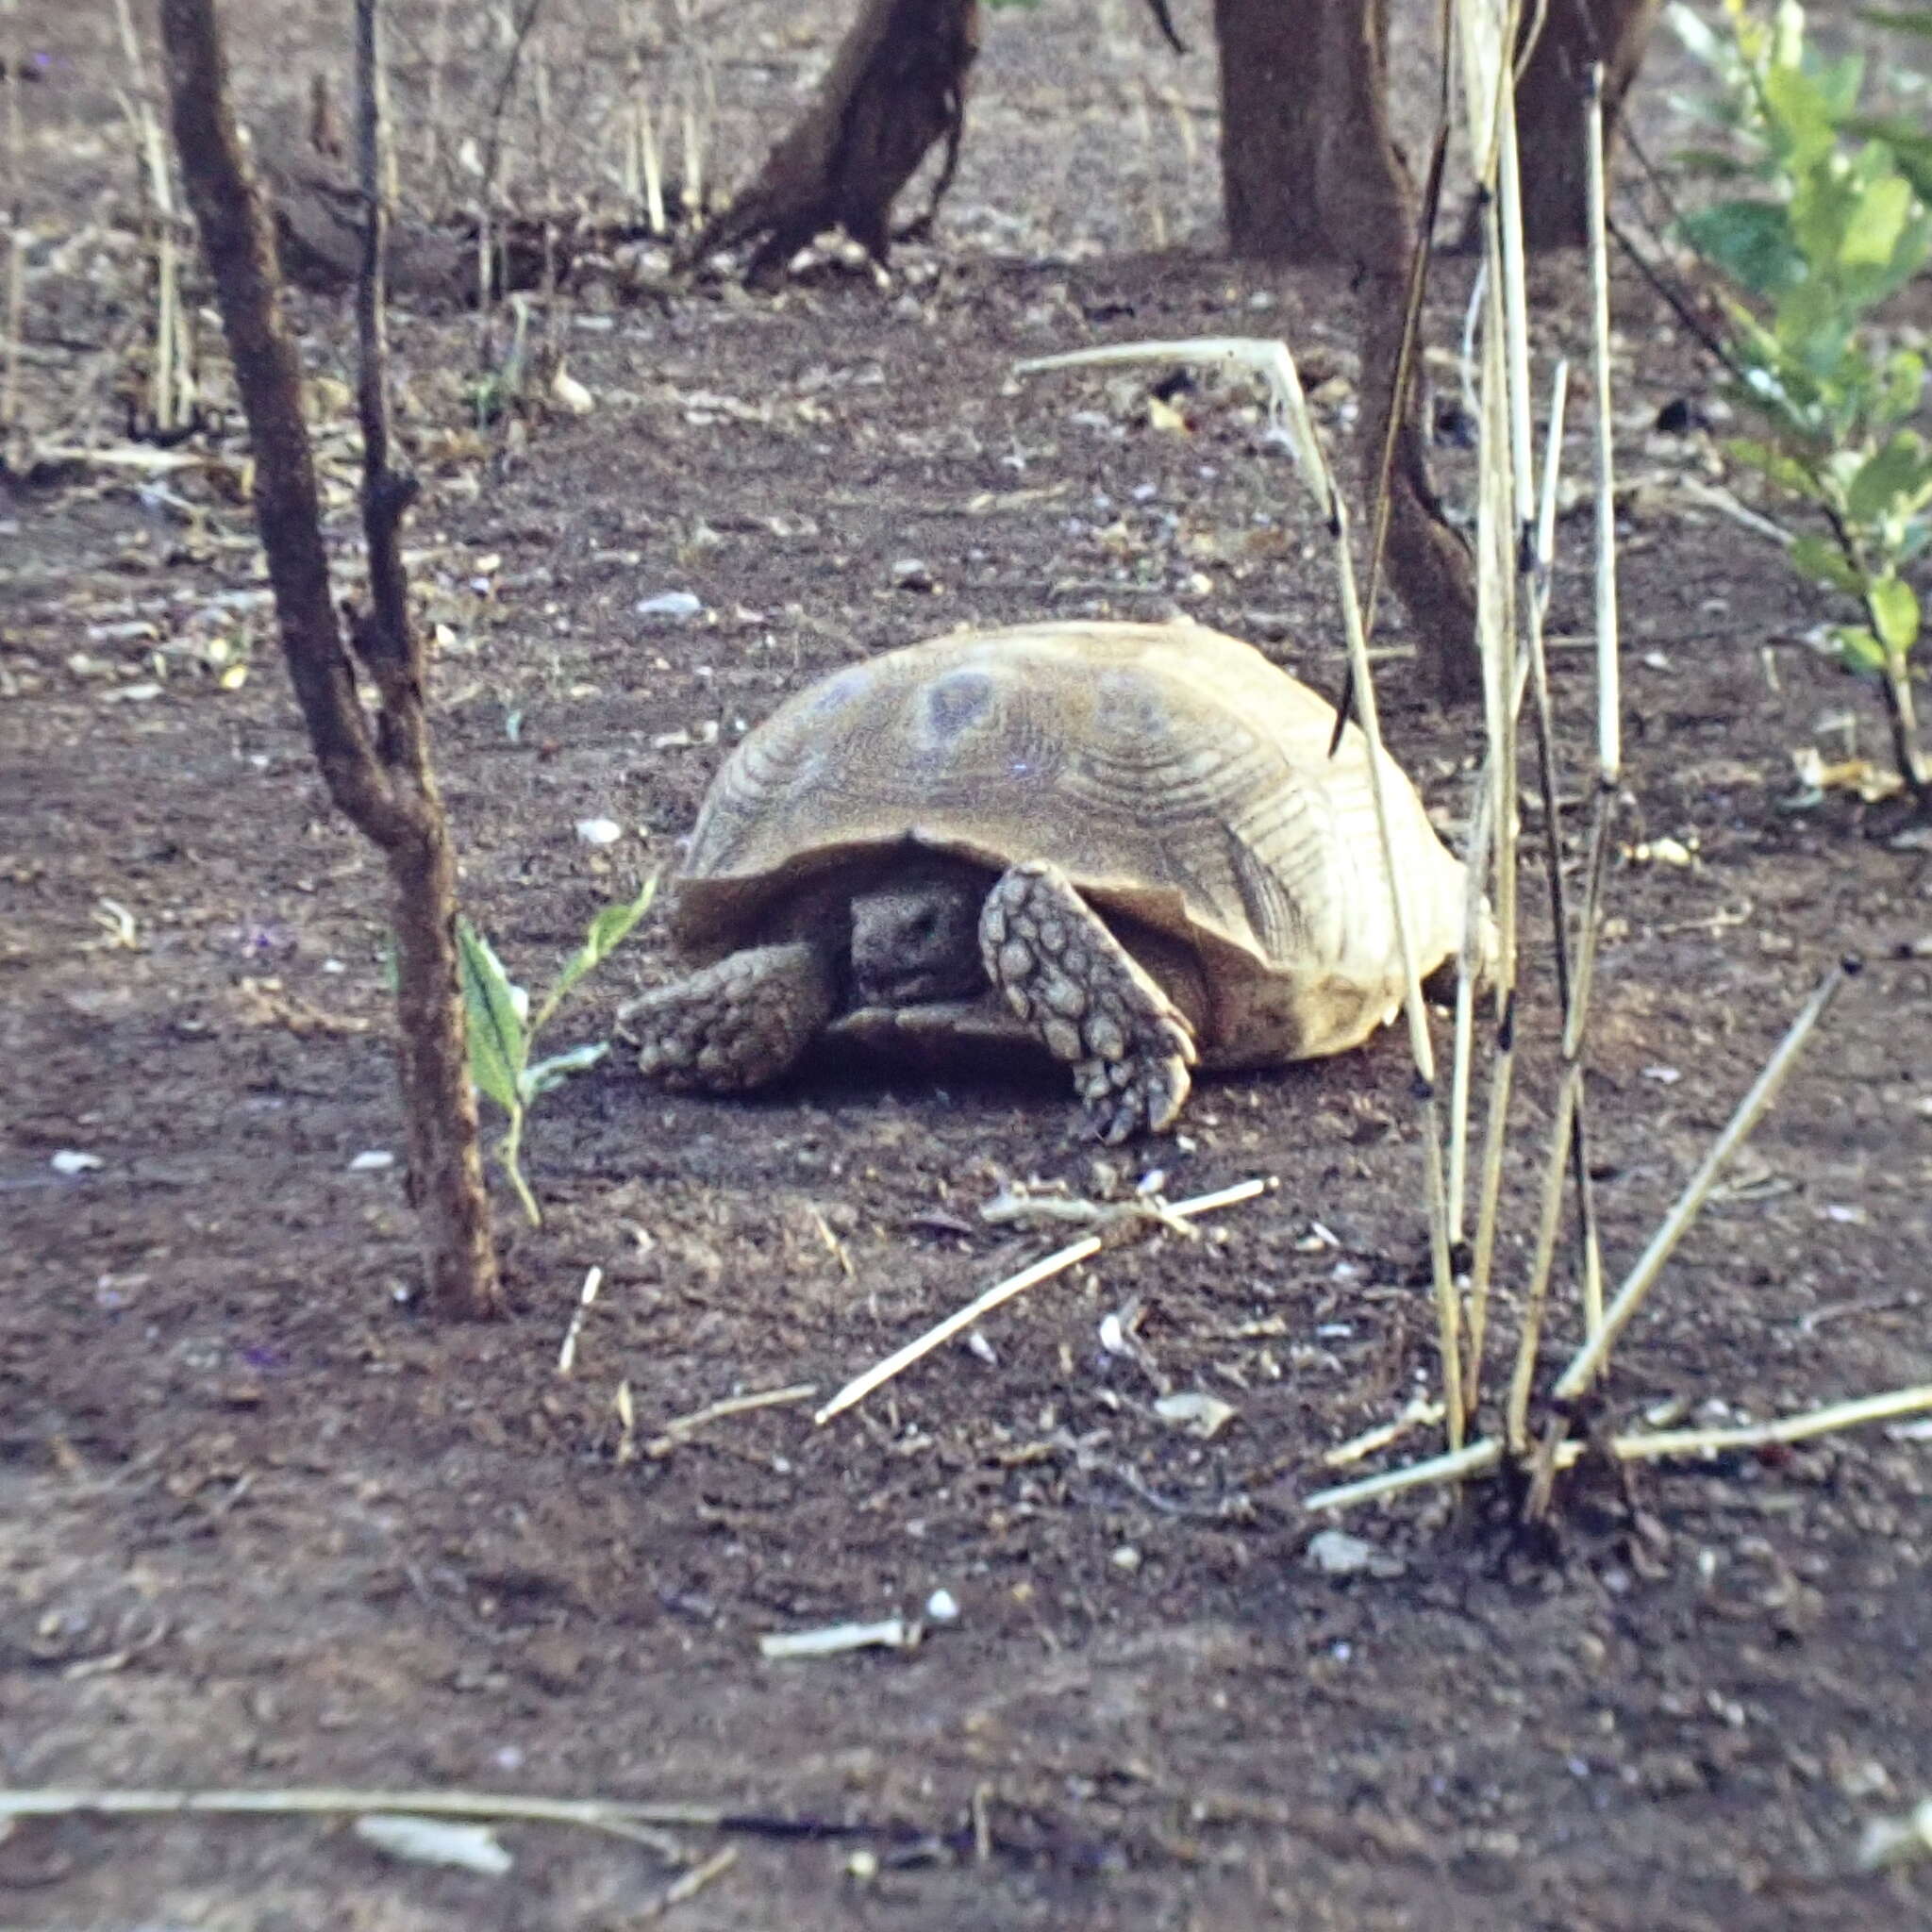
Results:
x,y
1090,1000
737,1025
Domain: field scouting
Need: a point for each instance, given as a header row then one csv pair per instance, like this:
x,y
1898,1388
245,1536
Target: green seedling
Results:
x,y
503,1030
1833,226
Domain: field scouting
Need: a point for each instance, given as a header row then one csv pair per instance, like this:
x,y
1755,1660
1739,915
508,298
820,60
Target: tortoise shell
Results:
x,y
1176,775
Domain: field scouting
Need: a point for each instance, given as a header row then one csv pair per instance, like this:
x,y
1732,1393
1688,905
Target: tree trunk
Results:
x,y
1549,107
382,783
1271,128
896,86
1310,170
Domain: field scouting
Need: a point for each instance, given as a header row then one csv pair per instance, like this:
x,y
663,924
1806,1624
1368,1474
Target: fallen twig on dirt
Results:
x,y
689,1886
567,1355
685,1426
1421,1413
620,1817
1031,1277
1640,1447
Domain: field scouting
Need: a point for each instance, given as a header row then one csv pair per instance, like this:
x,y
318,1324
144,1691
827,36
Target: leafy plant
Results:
x,y
1835,228
503,1030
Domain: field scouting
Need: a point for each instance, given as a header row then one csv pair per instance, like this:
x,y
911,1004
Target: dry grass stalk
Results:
x,y
1589,1359
1556,1453
1421,1413
1608,700
597,1814
697,111
14,442
690,1885
641,174
1272,364
513,34
1610,763
1031,1277
586,1295
1662,1445
1568,1142
682,1428
171,377
1503,684
435,88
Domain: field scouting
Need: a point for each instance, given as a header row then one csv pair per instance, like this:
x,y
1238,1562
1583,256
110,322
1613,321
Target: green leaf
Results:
x,y
1891,482
1904,383
1799,112
552,1073
1751,241
1857,649
1769,462
1822,560
1895,614
606,932
1909,145
1838,83
1876,223
495,1027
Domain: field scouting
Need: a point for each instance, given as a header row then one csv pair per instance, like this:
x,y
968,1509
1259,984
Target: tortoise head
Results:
x,y
916,936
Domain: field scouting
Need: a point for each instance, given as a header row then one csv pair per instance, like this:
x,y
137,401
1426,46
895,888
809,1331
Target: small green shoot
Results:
x,y
1834,227
503,1030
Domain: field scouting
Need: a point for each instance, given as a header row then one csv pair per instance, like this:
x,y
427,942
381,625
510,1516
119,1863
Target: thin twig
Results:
x,y
1790,1428
690,1885
1589,1359
1043,1269
1421,1413
1641,1446
14,444
567,1355
620,1817
681,1428
1272,364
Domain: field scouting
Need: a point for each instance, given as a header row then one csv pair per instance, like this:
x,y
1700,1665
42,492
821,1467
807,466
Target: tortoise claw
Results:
x,y
1091,1003
733,1026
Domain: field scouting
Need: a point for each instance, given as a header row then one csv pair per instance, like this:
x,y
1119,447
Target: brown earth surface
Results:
x,y
264,1524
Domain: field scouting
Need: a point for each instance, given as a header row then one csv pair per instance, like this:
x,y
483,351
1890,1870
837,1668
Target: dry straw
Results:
x,y
1515,528
1001,1291
1273,365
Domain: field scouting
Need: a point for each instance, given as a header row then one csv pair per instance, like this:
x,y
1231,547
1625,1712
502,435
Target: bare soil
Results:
x,y
264,1524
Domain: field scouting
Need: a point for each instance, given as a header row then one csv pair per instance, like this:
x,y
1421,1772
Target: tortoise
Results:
x,y
1125,843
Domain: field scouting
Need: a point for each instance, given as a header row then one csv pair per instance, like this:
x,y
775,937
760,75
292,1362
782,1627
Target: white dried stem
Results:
x,y
681,1428
1589,1359
586,1295
602,1814
1043,1269
1503,681
1642,1446
170,382
1273,365
13,440
1608,697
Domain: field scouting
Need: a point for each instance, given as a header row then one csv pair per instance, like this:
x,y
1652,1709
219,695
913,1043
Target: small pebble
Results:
x,y
670,604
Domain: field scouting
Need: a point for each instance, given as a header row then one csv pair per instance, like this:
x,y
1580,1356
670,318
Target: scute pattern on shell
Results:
x,y
1172,773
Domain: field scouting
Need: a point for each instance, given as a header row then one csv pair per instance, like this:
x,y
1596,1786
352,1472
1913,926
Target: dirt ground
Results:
x,y
264,1524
